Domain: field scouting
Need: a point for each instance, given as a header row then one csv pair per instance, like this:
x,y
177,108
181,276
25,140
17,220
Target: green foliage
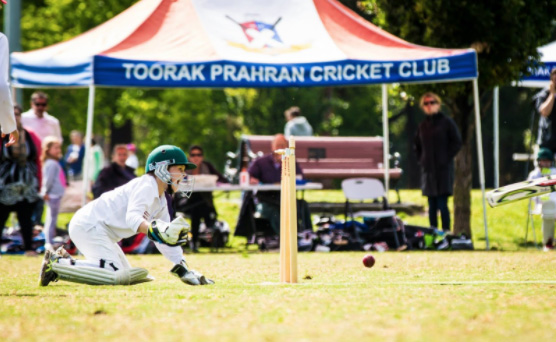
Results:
x,y
505,33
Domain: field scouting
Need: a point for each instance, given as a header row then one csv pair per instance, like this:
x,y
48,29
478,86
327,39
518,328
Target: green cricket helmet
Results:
x,y
165,156
545,154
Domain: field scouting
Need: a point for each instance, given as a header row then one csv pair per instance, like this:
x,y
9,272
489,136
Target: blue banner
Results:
x,y
540,73
231,74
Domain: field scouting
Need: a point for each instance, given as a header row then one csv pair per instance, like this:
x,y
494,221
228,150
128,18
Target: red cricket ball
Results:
x,y
368,260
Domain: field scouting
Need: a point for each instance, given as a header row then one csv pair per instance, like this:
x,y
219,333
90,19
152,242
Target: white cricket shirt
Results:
x,y
122,210
7,118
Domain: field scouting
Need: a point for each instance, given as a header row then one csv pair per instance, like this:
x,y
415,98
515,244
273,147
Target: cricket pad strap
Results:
x,y
99,276
179,270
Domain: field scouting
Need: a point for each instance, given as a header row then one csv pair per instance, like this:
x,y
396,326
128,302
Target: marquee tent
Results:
x,y
243,43
540,76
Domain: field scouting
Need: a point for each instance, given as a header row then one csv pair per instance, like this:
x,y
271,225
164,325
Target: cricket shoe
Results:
x,y
63,254
205,281
47,273
181,271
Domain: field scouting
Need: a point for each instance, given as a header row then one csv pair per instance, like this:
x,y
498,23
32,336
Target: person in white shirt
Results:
x,y
137,207
7,118
545,205
39,120
296,124
132,160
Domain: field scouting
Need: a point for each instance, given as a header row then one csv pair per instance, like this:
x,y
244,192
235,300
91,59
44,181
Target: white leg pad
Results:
x,y
548,215
100,276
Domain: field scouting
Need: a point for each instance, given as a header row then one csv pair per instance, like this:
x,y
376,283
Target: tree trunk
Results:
x,y
411,162
462,112
462,188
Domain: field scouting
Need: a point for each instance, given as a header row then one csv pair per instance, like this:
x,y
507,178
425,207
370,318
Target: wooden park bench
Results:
x,y
325,158
331,157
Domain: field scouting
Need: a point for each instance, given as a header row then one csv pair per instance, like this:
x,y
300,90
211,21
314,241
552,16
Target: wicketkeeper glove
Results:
x,y
190,277
175,233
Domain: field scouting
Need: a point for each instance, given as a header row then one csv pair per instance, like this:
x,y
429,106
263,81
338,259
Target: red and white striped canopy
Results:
x,y
242,43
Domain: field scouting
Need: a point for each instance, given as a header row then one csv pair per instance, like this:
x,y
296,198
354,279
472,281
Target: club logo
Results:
x,y
263,38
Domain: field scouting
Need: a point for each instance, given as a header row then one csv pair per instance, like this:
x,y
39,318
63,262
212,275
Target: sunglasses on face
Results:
x,y
196,155
40,104
429,103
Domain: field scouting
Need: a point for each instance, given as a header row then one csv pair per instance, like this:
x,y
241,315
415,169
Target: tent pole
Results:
x,y
495,105
88,137
480,154
386,139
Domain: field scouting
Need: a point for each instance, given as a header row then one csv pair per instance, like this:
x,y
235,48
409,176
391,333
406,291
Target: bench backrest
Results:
x,y
332,157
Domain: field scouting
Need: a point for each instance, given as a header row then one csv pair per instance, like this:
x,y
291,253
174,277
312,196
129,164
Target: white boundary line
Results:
x,y
452,282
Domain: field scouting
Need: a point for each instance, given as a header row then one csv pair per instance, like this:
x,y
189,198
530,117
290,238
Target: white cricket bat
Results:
x,y
521,190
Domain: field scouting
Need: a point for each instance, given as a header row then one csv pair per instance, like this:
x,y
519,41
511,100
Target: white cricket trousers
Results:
x,y
99,250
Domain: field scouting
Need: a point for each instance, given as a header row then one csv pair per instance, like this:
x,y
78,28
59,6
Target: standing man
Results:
x,y
7,118
296,124
39,120
544,102
44,125
436,144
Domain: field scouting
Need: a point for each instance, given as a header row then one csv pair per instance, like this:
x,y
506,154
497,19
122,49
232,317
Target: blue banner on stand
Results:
x,y
231,74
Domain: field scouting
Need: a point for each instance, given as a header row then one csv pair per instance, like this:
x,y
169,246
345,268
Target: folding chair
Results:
x,y
360,189
533,208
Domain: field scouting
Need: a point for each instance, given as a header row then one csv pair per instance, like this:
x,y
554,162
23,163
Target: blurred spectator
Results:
x,y
73,160
20,176
115,174
7,118
200,206
38,120
546,204
132,160
52,188
267,170
296,124
544,101
96,162
436,144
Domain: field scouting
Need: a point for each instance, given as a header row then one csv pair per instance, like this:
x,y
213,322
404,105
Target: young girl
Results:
x,y
52,188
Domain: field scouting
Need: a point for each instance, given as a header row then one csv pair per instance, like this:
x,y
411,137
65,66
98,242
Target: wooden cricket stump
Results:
x,y
288,216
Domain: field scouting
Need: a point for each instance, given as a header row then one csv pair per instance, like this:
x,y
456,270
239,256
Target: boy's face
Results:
x,y
545,163
179,179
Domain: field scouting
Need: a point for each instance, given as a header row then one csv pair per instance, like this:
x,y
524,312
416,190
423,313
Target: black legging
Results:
x,y
24,212
204,212
439,203
198,209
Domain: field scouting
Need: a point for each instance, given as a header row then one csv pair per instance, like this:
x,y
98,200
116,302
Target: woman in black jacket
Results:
x,y
437,142
200,206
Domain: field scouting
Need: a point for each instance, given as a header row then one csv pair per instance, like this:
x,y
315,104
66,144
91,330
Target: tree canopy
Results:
x,y
505,33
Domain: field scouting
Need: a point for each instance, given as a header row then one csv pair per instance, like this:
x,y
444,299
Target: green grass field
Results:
x,y
502,294
413,296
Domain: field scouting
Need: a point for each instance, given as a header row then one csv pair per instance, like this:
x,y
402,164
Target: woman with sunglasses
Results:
x,y
200,206
436,144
